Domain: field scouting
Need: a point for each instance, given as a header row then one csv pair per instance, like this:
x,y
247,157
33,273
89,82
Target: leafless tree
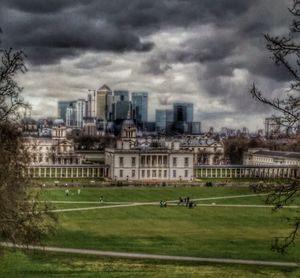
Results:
x,y
23,219
285,52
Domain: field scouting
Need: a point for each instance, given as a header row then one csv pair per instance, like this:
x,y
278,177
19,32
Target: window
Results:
x,y
159,173
148,173
121,173
154,173
186,161
133,161
165,173
143,173
186,173
174,173
174,161
121,161
133,173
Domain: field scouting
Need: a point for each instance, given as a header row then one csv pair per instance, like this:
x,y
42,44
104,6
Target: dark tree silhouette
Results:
x,y
285,52
23,220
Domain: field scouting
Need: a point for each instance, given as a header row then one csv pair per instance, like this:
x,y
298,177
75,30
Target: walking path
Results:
x,y
99,207
156,204
172,202
152,256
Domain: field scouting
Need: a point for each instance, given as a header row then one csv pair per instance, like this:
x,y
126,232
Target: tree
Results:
x,y
234,147
23,219
285,52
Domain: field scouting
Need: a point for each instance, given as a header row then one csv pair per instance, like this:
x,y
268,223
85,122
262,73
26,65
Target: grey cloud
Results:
x,y
91,63
55,26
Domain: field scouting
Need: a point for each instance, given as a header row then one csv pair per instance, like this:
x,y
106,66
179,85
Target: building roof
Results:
x,y
104,88
292,155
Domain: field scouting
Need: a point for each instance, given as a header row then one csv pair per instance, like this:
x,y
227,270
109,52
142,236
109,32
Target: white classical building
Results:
x,y
133,160
206,151
265,157
55,157
54,150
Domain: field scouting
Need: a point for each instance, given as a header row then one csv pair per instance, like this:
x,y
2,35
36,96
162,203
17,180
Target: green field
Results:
x,y
33,265
216,232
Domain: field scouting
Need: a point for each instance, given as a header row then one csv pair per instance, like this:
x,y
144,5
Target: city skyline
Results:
x,y
177,51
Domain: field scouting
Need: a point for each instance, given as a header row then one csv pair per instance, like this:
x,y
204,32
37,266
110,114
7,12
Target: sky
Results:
x,y
200,51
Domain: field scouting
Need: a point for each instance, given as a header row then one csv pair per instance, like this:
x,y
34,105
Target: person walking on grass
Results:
x,y
67,192
101,199
78,191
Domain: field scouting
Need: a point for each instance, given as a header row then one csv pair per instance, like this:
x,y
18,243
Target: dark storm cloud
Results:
x,y
51,30
43,7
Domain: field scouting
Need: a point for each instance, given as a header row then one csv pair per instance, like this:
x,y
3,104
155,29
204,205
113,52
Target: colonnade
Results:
x,y
154,160
244,172
67,172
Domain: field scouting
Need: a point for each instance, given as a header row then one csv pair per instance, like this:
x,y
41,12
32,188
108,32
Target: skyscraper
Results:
x,y
121,95
183,112
80,112
71,116
183,116
121,110
90,104
102,102
62,106
163,118
139,107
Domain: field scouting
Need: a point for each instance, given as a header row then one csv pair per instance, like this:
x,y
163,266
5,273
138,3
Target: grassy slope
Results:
x,y
17,264
213,232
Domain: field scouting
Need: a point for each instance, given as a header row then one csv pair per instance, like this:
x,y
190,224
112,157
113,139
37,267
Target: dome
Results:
x,y
128,124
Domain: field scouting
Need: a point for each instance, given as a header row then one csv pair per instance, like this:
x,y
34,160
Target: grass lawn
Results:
x,y
217,232
242,233
20,265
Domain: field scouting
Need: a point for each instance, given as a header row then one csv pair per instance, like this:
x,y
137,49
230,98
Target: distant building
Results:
x,y
62,106
71,116
102,102
90,105
133,161
89,129
195,128
80,112
163,119
121,95
122,108
56,150
139,107
206,151
183,114
265,157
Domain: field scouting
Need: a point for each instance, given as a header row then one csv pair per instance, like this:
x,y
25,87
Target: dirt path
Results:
x,y
152,256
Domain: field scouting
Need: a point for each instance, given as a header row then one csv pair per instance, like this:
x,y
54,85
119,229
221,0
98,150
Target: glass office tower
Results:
x,y
183,112
139,107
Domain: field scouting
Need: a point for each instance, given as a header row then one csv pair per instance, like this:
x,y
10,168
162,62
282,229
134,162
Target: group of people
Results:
x,y
186,202
67,192
163,204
